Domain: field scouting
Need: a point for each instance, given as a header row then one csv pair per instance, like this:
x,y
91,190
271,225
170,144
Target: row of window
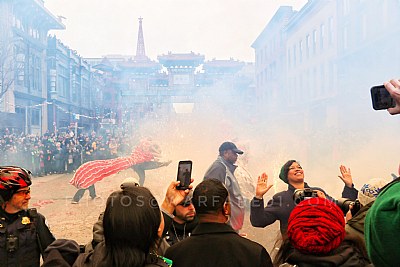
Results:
x,y
308,46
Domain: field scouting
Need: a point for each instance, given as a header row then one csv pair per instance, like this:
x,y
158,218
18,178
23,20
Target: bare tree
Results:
x,y
11,61
10,66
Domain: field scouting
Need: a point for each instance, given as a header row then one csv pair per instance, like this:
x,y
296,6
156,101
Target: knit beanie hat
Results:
x,y
285,169
382,227
316,226
370,190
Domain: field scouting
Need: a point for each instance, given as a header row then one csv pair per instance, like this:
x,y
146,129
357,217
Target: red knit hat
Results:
x,y
316,226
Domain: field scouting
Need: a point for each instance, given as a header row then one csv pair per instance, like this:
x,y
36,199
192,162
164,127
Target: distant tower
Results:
x,y
140,50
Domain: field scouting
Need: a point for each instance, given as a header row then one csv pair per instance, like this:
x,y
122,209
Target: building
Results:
x,y
314,69
70,97
271,59
24,25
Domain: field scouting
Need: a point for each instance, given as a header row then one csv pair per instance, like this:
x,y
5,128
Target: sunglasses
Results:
x,y
25,192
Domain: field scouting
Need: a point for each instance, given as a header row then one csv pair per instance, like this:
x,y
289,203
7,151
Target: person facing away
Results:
x,y
133,226
316,237
366,196
24,234
182,215
223,170
183,222
214,242
382,227
282,203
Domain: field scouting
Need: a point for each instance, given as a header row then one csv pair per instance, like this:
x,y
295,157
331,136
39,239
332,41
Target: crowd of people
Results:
x,y
62,152
201,226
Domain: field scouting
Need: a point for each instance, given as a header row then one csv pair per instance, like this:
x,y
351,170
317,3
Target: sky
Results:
x,y
220,29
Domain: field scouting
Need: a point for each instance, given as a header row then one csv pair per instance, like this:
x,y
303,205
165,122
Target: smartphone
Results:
x,y
381,99
184,174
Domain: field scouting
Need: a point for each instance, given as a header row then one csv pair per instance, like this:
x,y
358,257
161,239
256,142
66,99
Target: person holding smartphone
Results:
x,y
183,222
393,87
213,242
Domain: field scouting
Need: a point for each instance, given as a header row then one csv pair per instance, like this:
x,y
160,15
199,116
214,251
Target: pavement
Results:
x,y
52,196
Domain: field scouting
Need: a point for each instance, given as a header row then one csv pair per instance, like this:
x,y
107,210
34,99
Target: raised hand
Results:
x,y
393,87
174,196
262,185
346,176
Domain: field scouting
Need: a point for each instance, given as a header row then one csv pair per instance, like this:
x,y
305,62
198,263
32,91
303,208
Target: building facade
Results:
x,y
24,25
71,97
331,53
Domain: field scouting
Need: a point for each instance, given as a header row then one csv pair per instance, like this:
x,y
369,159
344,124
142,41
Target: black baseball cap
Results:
x,y
229,146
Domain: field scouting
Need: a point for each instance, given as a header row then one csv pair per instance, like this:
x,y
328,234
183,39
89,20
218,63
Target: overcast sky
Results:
x,y
218,29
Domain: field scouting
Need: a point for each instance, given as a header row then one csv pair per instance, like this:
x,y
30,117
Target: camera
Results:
x,y
302,194
344,205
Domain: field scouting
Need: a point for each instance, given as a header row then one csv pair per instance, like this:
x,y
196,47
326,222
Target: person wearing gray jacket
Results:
x,y
223,170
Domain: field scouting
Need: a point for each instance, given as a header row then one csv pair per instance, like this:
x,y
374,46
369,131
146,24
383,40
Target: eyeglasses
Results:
x,y
25,192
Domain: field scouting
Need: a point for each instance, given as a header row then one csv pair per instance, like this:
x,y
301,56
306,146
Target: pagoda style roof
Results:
x,y
185,60
133,64
104,65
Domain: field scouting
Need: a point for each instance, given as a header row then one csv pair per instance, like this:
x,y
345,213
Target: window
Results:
x,y
314,45
346,7
321,36
294,56
35,72
62,81
300,51
35,117
345,37
307,45
330,21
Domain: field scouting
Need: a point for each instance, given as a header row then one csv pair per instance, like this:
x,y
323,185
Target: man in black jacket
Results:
x,y
213,242
183,222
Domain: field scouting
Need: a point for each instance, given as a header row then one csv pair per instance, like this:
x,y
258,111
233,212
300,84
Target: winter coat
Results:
x,y
348,254
26,235
215,245
281,205
223,171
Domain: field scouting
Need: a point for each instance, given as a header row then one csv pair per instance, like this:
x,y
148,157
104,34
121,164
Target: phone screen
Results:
x,y
381,99
184,174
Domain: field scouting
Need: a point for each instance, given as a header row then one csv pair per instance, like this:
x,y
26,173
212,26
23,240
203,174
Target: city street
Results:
x,y
52,195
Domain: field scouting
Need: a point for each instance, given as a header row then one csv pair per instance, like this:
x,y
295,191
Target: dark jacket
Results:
x,y
27,234
355,225
177,232
96,257
65,253
217,244
281,205
346,255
